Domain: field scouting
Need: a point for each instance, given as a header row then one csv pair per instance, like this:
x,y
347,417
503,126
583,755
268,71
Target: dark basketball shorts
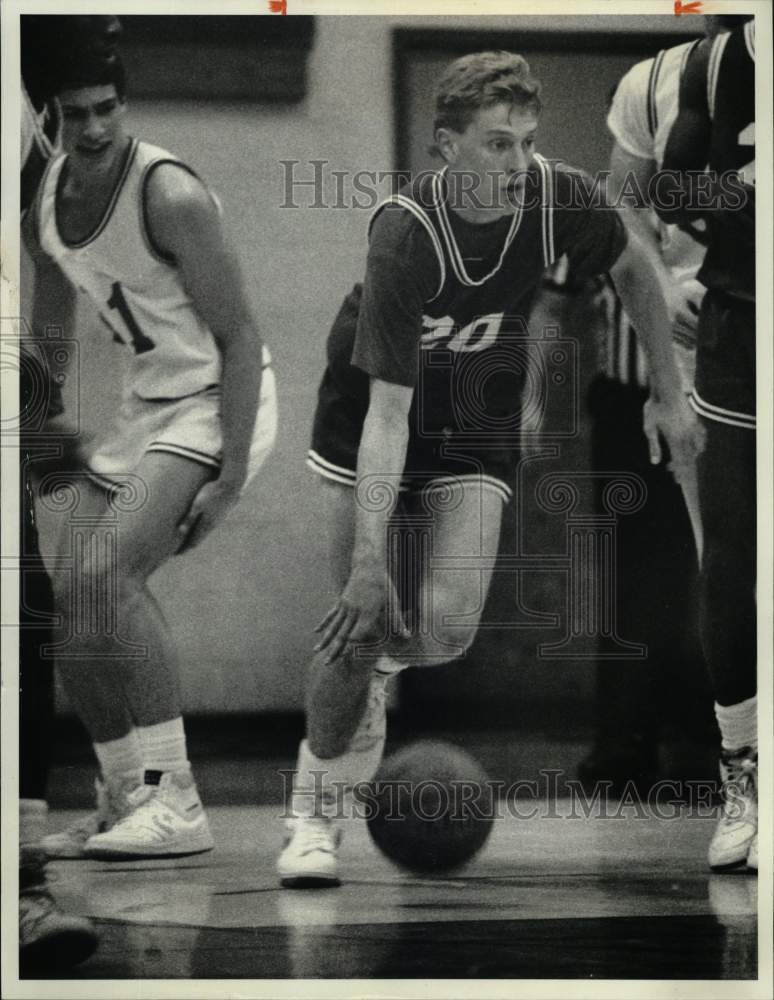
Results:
x,y
434,461
725,361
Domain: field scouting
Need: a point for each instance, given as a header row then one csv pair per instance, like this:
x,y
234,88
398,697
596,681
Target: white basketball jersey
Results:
x,y
138,293
644,109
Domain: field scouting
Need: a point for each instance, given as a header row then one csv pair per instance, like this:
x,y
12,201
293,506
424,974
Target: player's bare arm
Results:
x,y
370,593
186,224
683,298
668,412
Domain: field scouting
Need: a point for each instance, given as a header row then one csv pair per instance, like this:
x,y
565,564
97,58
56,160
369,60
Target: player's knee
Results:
x,y
446,642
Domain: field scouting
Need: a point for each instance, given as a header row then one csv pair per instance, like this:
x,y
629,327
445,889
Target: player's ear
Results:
x,y
446,144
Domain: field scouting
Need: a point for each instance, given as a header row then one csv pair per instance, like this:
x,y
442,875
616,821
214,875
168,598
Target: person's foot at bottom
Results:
x,y
50,941
309,857
735,837
166,819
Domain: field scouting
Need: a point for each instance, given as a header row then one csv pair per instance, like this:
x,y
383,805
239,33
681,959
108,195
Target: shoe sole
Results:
x,y
309,881
130,853
64,855
56,952
730,866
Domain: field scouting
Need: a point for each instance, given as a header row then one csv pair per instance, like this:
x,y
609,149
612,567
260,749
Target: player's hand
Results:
x,y
684,302
210,505
358,615
677,423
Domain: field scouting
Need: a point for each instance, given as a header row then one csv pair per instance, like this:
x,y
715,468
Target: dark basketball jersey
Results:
x,y
468,351
729,265
730,261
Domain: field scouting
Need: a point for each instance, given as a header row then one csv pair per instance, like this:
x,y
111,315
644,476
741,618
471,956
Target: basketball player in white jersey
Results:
x,y
425,363
136,231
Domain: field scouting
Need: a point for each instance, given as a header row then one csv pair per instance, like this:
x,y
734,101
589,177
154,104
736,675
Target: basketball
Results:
x,y
430,807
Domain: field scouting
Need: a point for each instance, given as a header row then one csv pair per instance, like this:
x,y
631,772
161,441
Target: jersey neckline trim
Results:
x,y
109,208
451,243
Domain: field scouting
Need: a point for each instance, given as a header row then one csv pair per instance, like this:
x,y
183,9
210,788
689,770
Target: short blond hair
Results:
x,y
479,80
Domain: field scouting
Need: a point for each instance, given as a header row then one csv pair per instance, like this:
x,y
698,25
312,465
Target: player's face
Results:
x,y
499,147
93,133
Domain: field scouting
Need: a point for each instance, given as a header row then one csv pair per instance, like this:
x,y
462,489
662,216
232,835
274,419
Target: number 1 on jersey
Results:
x,y
140,342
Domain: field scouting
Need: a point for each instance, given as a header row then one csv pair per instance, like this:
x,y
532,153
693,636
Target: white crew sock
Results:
x,y
387,667
328,791
119,757
738,724
32,822
163,746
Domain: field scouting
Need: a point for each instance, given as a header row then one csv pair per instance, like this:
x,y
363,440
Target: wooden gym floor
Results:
x,y
616,896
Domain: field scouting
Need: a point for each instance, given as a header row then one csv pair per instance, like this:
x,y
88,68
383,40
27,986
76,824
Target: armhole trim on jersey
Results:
x,y
37,205
713,69
153,248
110,208
749,37
547,211
652,107
44,145
419,213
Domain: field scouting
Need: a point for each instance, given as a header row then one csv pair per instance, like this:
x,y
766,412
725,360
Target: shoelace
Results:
x,y
740,781
317,836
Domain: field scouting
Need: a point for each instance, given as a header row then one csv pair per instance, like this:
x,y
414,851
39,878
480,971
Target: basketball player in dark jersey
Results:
x,y
419,401
48,938
716,126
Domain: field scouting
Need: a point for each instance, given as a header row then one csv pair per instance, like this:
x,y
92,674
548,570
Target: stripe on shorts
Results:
x,y
191,453
711,412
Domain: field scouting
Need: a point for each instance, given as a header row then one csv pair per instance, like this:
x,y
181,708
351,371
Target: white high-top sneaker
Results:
x,y
112,805
738,823
308,859
166,819
322,799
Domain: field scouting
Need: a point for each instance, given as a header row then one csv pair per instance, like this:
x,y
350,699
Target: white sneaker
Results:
x,y
112,805
752,854
738,823
166,819
308,860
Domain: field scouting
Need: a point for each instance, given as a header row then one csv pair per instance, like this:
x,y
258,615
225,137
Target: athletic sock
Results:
x,y
119,757
738,724
387,667
163,746
324,785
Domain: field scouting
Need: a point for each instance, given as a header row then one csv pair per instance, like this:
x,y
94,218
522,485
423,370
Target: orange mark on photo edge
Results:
x,y
278,6
687,8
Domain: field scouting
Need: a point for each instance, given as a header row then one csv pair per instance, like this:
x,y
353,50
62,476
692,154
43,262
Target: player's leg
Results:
x,y
345,709
728,627
48,938
725,395
104,712
136,659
